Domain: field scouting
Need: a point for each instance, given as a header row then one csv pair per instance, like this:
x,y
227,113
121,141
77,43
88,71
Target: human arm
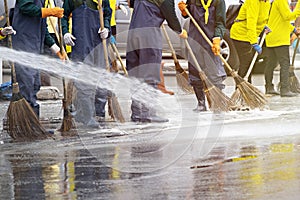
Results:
x,y
28,7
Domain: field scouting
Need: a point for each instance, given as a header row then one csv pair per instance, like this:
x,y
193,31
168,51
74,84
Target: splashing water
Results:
x,y
122,86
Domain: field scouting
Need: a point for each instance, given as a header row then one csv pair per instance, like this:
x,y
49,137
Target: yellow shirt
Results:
x,y
280,23
113,14
254,16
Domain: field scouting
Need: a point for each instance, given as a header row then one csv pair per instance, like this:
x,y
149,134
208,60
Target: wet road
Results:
x,y
235,155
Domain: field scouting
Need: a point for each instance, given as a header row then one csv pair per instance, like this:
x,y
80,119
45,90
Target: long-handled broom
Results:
x,y
237,97
22,122
68,121
181,75
114,107
119,58
252,96
217,100
294,82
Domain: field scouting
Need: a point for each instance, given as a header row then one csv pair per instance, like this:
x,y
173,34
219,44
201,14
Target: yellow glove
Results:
x,y
216,46
62,56
182,6
55,12
183,34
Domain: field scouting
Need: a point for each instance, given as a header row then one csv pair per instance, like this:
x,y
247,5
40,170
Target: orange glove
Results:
x,y
55,12
62,56
182,6
183,34
216,46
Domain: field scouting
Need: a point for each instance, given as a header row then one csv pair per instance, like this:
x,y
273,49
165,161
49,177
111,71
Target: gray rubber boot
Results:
x,y
201,107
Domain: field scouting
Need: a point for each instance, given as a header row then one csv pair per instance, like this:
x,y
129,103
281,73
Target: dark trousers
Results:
x,y
245,54
277,55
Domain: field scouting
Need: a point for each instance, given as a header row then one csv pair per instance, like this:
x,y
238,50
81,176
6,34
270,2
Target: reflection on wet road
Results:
x,y
234,169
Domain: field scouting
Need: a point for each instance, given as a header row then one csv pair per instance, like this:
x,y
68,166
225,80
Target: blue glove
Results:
x,y
112,39
257,48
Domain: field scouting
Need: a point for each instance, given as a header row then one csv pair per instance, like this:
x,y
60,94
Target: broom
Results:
x,y
294,82
236,97
252,96
217,100
114,108
68,122
181,75
22,122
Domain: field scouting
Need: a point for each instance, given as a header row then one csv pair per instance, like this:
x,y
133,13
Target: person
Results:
x,y
89,102
6,31
278,42
144,48
210,15
29,21
248,26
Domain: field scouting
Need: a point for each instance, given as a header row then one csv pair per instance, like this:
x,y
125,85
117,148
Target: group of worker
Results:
x,y
144,45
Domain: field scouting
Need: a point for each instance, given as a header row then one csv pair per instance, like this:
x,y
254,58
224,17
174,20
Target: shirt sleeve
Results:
x,y
68,7
106,13
28,7
220,19
168,10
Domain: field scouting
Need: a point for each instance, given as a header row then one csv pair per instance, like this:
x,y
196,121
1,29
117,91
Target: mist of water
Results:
x,y
122,86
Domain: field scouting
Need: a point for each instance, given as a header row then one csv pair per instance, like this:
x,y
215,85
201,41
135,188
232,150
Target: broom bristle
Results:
x,y
182,79
114,109
294,84
68,121
253,97
217,100
22,122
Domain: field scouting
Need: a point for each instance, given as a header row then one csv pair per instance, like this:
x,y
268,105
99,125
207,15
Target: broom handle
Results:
x,y
295,51
9,37
169,43
206,38
192,55
119,58
103,40
255,56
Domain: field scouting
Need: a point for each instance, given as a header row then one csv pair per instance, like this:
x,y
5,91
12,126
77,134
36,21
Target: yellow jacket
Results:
x,y
280,23
1,37
253,17
113,14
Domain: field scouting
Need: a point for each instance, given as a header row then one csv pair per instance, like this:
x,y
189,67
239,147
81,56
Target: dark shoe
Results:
x,y
93,124
270,90
287,94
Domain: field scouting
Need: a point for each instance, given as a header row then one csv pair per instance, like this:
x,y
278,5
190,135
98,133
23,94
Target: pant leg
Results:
x,y
270,65
283,55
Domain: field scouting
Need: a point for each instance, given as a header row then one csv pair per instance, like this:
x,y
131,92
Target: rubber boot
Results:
x,y
285,92
161,86
100,102
270,90
149,115
201,107
136,111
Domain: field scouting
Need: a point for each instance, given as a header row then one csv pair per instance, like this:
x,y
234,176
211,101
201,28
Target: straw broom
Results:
x,y
119,58
181,75
217,100
252,96
114,108
22,122
237,97
294,82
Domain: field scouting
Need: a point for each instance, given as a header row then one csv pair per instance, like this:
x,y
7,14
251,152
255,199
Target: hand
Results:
x,y
103,33
55,12
113,40
257,48
55,49
267,29
183,34
216,49
297,31
182,6
68,39
62,56
123,9
8,31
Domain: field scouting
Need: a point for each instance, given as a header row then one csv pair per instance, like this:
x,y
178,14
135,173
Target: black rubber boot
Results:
x,y
136,111
270,90
201,107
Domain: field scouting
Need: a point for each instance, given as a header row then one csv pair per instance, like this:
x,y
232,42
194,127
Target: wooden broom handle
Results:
x,y
119,58
255,56
192,55
103,40
206,38
295,51
169,43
